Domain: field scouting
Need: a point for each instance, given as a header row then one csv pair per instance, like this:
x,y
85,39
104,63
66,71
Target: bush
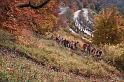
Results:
x,y
108,25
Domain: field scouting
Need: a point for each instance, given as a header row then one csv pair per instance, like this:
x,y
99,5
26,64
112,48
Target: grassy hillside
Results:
x,y
43,60
29,54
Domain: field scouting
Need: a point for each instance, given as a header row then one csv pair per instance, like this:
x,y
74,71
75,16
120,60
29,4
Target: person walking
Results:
x,y
89,49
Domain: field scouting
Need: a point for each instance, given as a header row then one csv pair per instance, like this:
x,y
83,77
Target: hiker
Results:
x,y
57,39
52,37
77,45
84,47
98,53
60,41
93,51
65,43
72,45
88,49
68,45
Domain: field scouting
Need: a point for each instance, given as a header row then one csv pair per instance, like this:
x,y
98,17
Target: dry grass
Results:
x,y
115,55
62,58
22,70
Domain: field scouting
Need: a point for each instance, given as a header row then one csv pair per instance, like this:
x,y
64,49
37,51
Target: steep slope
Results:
x,y
45,59
26,55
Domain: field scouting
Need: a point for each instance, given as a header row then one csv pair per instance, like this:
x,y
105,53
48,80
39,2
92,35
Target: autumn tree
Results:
x,y
48,20
108,27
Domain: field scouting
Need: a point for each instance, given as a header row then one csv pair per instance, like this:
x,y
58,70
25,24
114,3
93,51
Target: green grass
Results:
x,y
51,54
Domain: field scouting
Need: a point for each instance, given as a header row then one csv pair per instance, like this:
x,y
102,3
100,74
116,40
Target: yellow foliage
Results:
x,y
108,26
47,24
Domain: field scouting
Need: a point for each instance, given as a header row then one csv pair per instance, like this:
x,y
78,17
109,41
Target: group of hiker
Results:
x,y
87,48
91,50
66,43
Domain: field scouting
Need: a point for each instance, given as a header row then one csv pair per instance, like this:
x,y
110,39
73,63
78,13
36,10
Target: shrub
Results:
x,y
108,25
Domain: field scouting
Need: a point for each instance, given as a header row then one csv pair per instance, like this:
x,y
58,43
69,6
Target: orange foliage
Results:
x,y
46,24
49,17
16,19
